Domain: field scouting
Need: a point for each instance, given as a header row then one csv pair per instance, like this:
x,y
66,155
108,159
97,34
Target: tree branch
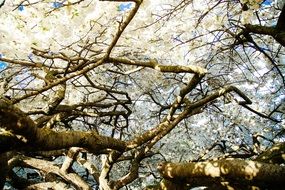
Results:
x,y
19,123
233,170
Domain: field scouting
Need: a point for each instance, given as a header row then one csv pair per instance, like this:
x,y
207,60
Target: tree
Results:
x,y
108,94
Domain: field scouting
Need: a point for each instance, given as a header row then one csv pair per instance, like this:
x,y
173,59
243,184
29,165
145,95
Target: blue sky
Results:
x,y
3,65
124,6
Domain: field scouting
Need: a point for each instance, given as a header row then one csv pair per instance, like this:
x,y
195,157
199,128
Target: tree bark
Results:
x,y
34,138
275,154
237,171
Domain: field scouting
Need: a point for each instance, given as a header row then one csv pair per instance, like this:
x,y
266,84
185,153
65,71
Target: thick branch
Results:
x,y
48,167
162,68
45,139
275,154
48,185
247,172
278,35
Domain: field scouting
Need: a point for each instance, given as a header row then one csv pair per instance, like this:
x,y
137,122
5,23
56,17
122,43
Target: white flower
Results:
x,y
246,16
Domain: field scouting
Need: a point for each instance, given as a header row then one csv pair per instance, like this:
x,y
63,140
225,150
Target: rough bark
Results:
x,y
237,171
275,154
16,121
